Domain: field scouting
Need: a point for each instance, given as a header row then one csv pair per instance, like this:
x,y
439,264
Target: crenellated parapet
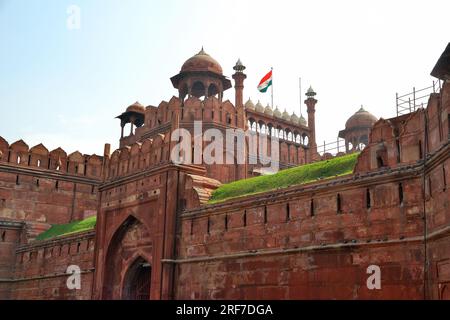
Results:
x,y
41,267
47,187
138,156
19,154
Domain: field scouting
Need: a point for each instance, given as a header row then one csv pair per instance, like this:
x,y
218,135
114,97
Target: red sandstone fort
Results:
x,y
158,235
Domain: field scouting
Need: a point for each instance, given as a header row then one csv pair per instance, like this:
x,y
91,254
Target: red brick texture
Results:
x,y
41,268
297,243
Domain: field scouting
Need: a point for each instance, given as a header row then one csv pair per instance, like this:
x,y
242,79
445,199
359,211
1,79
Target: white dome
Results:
x,y
294,118
277,112
249,105
302,120
268,110
259,107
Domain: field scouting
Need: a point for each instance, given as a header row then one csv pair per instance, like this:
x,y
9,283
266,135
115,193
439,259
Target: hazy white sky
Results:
x,y
64,87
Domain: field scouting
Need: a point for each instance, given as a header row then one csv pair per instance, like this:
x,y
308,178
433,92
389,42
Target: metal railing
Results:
x,y
410,102
405,104
333,147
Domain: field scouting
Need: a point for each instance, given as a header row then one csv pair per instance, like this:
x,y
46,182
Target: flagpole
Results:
x,y
271,69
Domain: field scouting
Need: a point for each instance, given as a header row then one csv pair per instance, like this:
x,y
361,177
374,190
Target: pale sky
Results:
x,y
64,87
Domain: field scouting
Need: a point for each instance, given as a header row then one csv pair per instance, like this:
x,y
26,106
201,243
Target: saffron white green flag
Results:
x,y
265,82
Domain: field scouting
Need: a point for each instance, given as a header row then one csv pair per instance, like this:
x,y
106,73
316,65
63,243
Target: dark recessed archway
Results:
x,y
136,284
198,89
212,90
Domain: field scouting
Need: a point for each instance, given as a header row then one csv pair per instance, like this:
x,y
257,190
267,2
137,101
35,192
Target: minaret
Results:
x,y
239,77
106,157
311,104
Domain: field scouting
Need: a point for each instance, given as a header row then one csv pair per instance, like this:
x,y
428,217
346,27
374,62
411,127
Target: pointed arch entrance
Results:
x,y
136,284
128,262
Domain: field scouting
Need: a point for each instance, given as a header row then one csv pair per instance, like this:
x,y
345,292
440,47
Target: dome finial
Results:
x,y
310,93
202,51
239,67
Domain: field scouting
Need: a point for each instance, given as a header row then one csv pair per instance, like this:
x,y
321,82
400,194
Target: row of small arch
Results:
x,y
284,134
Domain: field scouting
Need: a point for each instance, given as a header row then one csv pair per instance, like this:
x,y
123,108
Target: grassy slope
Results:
x,y
64,229
285,178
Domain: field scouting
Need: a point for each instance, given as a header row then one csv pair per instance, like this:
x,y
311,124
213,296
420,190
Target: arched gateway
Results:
x,y
128,262
136,284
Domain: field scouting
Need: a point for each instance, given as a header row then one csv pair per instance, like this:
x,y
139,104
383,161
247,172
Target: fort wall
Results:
x,y
49,187
39,188
40,269
317,240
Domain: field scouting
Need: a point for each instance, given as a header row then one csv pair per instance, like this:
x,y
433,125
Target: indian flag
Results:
x,y
265,82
